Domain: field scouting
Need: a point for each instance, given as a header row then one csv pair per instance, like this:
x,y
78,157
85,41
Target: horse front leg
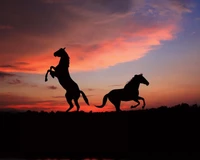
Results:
x,y
47,75
52,67
53,74
138,103
144,104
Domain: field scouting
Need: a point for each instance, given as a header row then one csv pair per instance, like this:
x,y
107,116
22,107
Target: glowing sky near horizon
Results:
x,y
108,43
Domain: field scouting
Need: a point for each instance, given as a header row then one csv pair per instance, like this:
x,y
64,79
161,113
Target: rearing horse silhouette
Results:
x,y
129,92
61,71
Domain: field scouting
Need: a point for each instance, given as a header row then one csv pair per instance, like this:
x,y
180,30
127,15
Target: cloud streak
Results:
x,y
52,87
15,81
5,74
116,85
12,101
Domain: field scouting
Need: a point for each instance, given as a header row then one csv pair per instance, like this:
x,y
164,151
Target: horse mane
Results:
x,y
67,58
130,81
133,78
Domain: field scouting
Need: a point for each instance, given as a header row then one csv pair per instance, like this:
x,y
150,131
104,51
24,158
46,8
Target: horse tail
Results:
x,y
84,97
104,101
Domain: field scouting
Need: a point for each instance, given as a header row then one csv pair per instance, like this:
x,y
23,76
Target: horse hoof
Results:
x,y
133,106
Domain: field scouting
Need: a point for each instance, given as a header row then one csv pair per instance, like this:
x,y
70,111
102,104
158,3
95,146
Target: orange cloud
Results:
x,y
108,53
97,35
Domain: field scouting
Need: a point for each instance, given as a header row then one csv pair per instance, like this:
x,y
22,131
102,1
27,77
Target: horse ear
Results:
x,y
64,47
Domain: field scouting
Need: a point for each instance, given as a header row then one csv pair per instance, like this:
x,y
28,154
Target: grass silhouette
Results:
x,y
103,134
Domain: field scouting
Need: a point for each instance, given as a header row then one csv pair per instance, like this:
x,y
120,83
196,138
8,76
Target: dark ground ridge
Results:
x,y
149,132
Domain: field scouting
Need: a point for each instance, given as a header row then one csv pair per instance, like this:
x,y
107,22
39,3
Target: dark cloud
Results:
x,y
31,21
12,102
11,99
33,16
40,26
15,81
8,99
9,110
115,85
22,63
7,66
52,87
34,20
114,6
34,85
90,89
58,96
111,6
6,74
91,48
18,66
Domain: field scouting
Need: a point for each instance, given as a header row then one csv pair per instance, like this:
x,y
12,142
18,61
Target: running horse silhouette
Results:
x,y
61,71
129,92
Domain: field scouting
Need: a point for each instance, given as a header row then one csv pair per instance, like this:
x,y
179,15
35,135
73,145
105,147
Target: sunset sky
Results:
x,y
108,41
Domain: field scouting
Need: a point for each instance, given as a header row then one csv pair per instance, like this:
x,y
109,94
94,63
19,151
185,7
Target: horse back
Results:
x,y
123,95
116,92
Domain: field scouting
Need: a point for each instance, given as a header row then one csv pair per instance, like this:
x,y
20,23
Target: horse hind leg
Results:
x,y
116,103
69,100
77,104
137,100
138,103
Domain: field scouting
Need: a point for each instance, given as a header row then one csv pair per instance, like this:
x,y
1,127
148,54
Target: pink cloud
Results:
x,y
96,36
131,46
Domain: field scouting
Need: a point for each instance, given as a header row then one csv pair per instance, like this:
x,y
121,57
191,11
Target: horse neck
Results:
x,y
63,67
63,75
64,61
134,84
67,73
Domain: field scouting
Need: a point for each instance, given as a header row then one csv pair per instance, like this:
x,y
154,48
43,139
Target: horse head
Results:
x,y
61,53
64,57
141,79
